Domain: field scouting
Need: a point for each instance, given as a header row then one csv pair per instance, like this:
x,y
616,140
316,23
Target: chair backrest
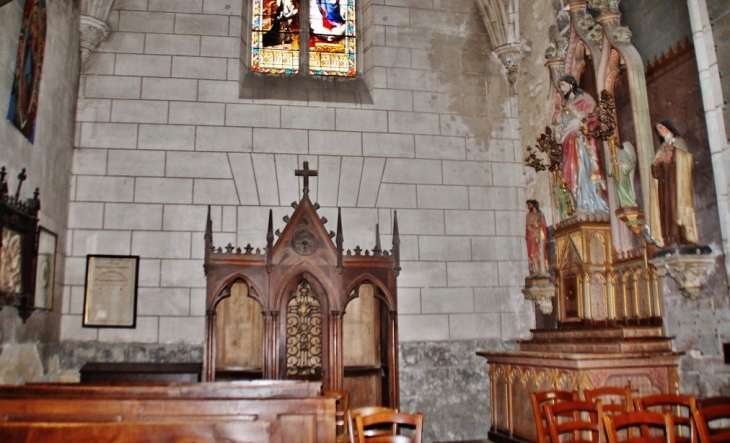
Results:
x,y
547,397
398,420
342,399
640,427
711,418
366,410
680,406
576,421
615,400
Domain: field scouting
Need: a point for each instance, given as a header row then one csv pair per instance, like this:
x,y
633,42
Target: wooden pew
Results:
x,y
295,416
137,432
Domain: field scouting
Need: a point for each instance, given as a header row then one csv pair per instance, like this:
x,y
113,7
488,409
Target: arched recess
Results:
x,y
239,334
365,337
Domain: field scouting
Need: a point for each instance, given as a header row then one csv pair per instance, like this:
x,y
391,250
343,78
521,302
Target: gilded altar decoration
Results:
x,y
28,67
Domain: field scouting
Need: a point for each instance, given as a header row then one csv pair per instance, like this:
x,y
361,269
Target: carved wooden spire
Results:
x,y
270,240
339,239
396,244
377,250
208,240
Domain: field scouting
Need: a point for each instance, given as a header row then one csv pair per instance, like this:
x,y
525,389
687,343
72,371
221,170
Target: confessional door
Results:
x,y
304,328
239,336
364,349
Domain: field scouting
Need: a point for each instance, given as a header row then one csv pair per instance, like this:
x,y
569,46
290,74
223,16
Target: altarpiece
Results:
x,y
304,308
600,297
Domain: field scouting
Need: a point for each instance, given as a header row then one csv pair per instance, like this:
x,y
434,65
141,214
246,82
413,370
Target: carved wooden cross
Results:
x,y
306,173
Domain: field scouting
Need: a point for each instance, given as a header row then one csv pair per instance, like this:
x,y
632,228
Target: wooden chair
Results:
x,y
547,397
366,410
680,406
640,427
342,399
615,400
575,421
711,418
397,420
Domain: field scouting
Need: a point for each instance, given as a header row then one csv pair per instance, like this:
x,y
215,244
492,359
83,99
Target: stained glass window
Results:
x,y
330,24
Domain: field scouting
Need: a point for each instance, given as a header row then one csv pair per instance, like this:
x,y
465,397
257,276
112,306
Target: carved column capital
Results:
x,y
510,55
93,32
604,6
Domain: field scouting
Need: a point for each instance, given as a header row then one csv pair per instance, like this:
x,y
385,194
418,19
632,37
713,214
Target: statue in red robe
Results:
x,y
536,238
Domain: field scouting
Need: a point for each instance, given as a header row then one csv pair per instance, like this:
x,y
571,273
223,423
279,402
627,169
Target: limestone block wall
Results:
x,y
162,133
48,164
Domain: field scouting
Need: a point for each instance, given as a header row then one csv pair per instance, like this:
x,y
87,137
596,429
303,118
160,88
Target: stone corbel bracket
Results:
x,y
94,30
501,20
689,270
541,291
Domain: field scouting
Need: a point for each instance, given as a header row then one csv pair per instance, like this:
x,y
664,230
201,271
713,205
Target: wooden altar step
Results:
x,y
608,332
605,340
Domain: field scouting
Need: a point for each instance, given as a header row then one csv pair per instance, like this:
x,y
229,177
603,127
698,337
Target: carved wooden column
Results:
x,y
209,362
94,30
271,332
336,360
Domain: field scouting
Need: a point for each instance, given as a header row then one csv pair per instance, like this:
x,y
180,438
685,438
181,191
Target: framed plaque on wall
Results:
x,y
110,295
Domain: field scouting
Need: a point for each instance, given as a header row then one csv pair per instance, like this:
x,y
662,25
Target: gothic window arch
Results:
x,y
307,50
316,37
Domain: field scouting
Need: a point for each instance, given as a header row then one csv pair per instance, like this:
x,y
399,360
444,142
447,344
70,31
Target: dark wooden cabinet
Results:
x,y
304,308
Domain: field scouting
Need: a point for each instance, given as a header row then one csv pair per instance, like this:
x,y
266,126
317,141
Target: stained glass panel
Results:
x,y
332,39
275,37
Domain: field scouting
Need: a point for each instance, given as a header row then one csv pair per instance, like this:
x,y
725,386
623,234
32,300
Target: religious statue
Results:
x,y
672,203
536,238
581,170
624,167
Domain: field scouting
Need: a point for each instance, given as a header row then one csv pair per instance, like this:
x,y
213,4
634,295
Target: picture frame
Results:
x,y
110,293
45,270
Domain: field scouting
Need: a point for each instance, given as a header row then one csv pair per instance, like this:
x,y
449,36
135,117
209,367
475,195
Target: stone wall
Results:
x,y
48,164
163,132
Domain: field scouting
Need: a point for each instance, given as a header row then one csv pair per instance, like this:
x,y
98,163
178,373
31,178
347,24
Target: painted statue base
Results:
x,y
687,265
540,289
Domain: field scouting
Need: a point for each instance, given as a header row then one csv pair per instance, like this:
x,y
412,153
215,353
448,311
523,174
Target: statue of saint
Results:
x,y
672,220
581,169
625,165
536,238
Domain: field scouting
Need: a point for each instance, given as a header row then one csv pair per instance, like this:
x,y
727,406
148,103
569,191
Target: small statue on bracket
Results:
x,y
536,239
673,215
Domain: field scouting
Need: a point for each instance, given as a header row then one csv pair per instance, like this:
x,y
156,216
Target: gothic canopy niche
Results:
x,y
305,281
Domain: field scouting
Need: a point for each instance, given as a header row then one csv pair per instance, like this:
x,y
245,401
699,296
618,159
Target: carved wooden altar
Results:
x,y
302,285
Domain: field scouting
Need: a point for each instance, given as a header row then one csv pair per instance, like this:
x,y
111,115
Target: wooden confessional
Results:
x,y
303,308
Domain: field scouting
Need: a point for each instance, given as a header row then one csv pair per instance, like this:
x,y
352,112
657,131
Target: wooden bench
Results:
x,y
294,415
137,432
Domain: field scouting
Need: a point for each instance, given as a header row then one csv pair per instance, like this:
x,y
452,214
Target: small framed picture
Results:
x,y
45,270
110,296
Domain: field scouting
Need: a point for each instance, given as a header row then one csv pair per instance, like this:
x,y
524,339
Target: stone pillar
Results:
x,y
712,99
